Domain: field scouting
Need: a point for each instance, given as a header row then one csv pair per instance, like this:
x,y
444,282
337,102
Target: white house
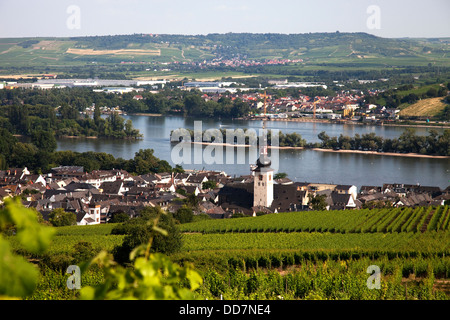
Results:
x,y
91,217
196,180
96,178
347,189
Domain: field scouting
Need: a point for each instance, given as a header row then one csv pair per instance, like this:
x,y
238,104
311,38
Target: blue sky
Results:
x,y
399,18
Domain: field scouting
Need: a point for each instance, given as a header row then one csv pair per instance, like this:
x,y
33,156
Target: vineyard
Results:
x,y
405,219
323,254
295,255
99,236
430,242
332,279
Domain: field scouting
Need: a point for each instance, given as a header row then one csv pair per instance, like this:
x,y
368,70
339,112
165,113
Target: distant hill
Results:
x,y
319,52
256,46
320,47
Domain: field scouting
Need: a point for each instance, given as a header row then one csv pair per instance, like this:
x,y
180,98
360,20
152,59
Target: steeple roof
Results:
x,y
263,162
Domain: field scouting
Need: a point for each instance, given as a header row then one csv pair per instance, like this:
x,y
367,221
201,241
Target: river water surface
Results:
x,y
300,165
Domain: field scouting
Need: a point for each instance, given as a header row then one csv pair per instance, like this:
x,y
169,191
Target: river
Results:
x,y
300,165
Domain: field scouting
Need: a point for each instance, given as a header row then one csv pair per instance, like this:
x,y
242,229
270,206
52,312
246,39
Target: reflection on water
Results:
x,y
300,165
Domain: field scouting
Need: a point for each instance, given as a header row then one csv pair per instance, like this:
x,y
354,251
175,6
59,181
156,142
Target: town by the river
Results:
x,y
300,165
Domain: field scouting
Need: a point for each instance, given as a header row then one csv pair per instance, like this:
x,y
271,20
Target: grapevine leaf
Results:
x,y
160,230
18,278
33,236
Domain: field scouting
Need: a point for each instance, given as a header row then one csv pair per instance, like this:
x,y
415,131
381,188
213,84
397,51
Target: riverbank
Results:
x,y
78,137
409,155
96,137
239,145
21,136
309,120
146,114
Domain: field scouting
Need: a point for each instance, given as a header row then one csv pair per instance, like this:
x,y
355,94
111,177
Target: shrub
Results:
x,y
153,224
184,215
59,218
119,217
84,251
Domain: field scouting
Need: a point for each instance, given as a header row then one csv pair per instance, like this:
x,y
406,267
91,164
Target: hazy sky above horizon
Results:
x,y
61,18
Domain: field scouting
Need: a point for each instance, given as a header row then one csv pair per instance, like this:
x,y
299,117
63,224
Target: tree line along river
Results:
x,y
301,165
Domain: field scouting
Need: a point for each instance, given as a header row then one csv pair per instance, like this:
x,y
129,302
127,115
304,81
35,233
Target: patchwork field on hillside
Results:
x,y
424,108
93,52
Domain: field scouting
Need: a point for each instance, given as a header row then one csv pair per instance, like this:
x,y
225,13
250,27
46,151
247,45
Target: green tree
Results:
x,y
432,92
3,163
119,217
324,138
209,185
191,201
318,202
280,175
7,142
184,214
68,112
19,118
444,114
116,123
23,155
156,103
129,131
345,142
163,166
239,109
44,140
84,251
58,218
193,104
148,226
292,140
178,169
97,115
144,162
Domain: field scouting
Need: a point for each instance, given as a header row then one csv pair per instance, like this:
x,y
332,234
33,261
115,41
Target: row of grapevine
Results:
x,y
348,225
446,223
396,225
327,280
443,223
339,221
386,221
275,258
424,217
433,223
312,241
374,218
413,220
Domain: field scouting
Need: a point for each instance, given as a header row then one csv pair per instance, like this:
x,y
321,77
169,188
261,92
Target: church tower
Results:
x,y
263,182
263,175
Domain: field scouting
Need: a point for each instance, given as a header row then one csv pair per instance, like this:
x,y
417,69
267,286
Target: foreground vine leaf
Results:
x,y
18,278
154,277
